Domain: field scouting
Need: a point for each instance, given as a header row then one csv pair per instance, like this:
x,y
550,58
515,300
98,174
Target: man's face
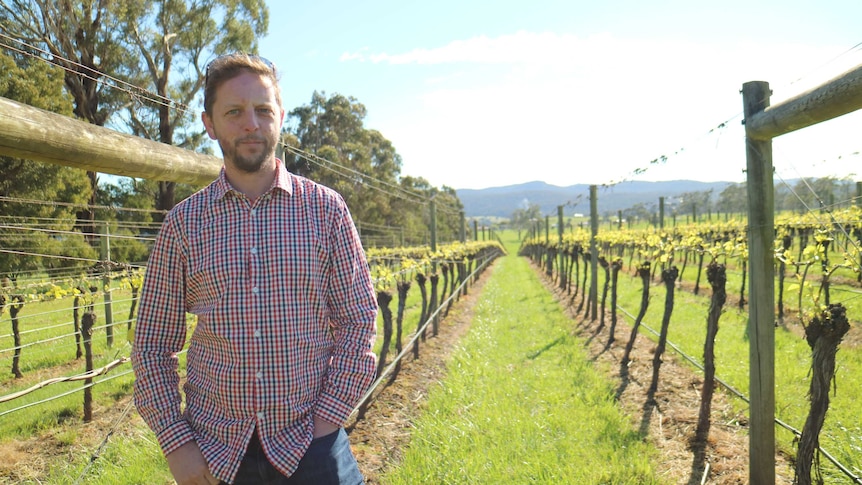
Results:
x,y
246,120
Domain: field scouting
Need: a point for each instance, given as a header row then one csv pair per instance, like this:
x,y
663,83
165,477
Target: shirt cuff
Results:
x,y
174,436
332,410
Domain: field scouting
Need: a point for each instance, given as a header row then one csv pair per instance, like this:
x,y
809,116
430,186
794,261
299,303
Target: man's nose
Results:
x,y
250,121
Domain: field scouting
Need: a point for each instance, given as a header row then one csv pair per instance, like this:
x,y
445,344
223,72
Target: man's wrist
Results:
x,y
323,427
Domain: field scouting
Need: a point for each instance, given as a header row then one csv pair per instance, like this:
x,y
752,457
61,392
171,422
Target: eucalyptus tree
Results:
x,y
171,42
81,38
365,166
733,199
41,85
695,203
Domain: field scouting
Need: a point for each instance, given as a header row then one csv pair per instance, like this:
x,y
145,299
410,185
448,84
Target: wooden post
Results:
x,y
594,254
661,212
105,256
88,320
560,223
433,210
761,323
463,232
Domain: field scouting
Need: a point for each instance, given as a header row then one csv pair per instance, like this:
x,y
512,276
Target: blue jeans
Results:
x,y
328,461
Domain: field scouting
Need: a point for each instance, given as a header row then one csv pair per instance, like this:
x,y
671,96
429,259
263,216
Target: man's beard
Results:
x,y
250,164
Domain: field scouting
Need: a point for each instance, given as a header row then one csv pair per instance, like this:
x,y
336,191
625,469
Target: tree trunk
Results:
x,y
644,273
668,277
384,298
403,288
604,264
823,334
717,278
420,278
615,271
15,307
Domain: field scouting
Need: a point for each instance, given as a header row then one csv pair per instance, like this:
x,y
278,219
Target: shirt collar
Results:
x,y
282,181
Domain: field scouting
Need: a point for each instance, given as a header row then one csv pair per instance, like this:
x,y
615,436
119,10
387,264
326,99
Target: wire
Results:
x,y
85,205
742,396
99,77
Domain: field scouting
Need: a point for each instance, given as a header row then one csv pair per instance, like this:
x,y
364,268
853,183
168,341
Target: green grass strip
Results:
x,y
521,403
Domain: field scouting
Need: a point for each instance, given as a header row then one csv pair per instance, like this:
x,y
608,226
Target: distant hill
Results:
x,y
503,201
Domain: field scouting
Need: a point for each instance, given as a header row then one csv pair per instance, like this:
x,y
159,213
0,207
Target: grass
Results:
x,y
50,352
521,403
133,457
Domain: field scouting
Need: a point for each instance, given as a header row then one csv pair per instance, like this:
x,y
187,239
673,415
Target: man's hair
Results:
x,y
228,66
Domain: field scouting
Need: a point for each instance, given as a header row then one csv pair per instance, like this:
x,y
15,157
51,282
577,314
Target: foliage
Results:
x,y
366,169
39,85
524,217
168,37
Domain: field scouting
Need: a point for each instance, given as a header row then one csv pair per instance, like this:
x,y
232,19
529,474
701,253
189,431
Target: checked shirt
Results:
x,y
285,321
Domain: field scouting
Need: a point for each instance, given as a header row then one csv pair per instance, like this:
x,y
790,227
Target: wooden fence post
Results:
x,y
88,319
105,256
661,212
761,323
594,254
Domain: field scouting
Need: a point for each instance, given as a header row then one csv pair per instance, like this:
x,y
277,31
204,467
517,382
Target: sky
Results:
x,y
476,94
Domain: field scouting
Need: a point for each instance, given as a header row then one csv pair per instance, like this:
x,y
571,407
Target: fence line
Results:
x,y
742,396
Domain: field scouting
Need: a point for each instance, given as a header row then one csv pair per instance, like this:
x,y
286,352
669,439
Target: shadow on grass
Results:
x,y
547,347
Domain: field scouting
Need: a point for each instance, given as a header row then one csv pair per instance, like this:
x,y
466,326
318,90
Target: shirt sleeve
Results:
x,y
160,333
353,316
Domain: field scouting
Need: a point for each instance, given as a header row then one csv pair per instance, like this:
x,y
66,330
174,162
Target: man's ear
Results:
x,y
209,125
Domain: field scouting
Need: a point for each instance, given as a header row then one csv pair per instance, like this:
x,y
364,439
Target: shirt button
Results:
x,y
259,374
254,250
257,333
260,415
255,290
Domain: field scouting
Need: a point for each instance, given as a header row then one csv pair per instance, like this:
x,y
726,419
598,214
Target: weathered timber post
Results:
x,y
832,99
761,322
562,254
105,256
661,212
594,252
88,320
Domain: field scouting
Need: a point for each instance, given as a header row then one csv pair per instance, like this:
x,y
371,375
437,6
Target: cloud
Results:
x,y
566,108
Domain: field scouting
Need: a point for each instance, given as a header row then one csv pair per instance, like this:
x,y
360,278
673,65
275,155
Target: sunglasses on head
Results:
x,y
250,56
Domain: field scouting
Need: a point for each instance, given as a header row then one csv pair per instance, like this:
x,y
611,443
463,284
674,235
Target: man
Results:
x,y
271,265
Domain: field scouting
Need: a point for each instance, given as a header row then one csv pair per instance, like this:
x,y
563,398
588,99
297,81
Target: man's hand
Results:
x,y
323,427
189,467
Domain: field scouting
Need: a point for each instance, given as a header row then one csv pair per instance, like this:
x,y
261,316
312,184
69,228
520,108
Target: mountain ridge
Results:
x,y
503,201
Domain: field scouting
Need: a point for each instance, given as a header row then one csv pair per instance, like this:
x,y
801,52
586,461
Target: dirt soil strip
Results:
x,y
381,437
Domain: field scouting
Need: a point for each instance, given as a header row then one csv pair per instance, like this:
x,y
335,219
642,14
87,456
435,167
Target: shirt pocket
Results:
x,y
215,271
